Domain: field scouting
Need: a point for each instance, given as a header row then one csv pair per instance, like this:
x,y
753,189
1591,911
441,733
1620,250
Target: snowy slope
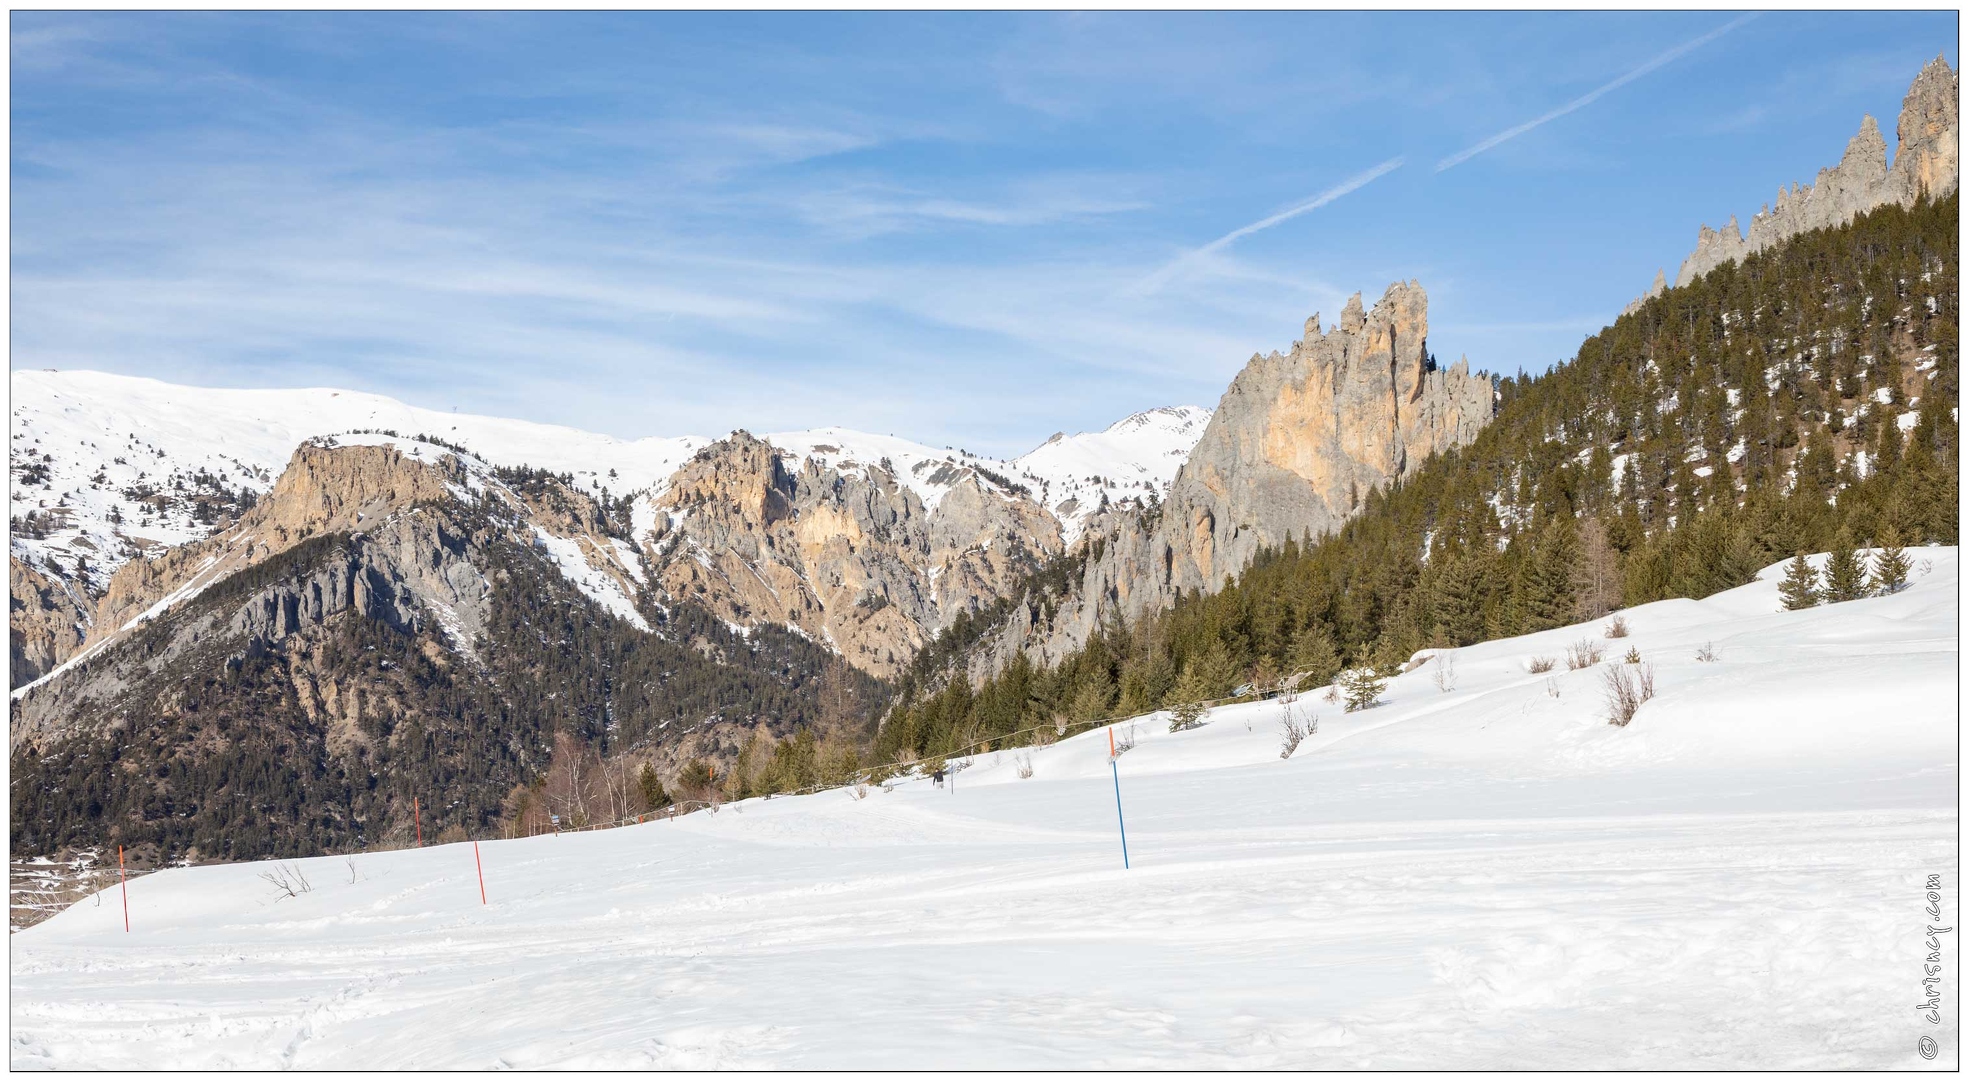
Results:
x,y
1136,457
133,432
927,471
89,447
1490,876
1133,458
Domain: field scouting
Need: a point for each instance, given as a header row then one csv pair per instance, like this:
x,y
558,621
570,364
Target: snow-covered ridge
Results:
x,y
120,462
106,466
1136,457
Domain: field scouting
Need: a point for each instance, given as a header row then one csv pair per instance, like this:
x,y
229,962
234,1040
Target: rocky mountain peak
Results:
x,y
1294,447
1925,163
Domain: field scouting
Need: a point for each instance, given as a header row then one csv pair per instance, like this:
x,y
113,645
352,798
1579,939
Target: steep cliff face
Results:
x,y
852,559
49,619
1926,163
1298,441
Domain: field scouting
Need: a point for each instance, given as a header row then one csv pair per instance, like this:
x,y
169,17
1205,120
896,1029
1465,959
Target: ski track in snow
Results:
x,y
1488,877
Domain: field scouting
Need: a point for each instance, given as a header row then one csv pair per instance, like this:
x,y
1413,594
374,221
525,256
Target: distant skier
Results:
x,y
937,777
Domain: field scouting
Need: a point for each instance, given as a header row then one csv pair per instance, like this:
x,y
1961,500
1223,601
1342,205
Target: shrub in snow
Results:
x,y
288,881
1707,653
1538,664
1633,656
1800,588
1294,726
1025,765
1583,654
1627,688
1618,628
1361,686
1445,676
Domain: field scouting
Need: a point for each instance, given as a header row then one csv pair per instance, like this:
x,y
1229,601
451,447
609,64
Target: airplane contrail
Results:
x,y
1353,183
1590,96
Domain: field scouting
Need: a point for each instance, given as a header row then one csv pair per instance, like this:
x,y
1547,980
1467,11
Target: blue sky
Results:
x,y
969,229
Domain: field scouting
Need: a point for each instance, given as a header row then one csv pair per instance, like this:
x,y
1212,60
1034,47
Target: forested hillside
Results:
x,y
1803,396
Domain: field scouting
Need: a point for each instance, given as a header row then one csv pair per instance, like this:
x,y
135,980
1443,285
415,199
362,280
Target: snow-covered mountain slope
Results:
x,y
105,465
134,457
1488,876
1134,458
927,471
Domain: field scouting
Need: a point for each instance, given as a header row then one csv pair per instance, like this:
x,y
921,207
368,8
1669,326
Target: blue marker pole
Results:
x,y
1123,823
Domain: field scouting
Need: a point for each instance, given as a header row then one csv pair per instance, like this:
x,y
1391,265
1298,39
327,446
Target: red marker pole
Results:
x,y
481,866
124,881
417,814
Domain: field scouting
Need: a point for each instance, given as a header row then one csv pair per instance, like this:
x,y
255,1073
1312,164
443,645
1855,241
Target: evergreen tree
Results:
x,y
1800,588
1549,580
1890,562
1362,687
652,787
1845,572
1313,653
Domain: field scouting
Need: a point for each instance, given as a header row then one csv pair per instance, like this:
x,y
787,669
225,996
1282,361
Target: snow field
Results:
x,y
1490,876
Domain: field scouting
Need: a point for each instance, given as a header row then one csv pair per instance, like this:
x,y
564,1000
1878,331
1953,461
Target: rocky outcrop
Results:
x,y
1295,446
48,620
852,559
325,489
1659,287
1926,163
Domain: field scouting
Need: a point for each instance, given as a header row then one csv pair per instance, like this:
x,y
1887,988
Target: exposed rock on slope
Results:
x,y
410,565
391,622
109,469
47,623
852,559
1926,163
1298,441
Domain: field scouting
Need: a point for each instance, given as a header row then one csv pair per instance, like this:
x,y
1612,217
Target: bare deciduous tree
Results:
x,y
1596,577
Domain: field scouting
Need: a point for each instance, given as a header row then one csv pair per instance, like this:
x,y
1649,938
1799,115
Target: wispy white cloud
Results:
x,y
1593,95
1189,259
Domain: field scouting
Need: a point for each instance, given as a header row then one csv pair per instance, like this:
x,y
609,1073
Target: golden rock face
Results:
x,y
1295,446
853,560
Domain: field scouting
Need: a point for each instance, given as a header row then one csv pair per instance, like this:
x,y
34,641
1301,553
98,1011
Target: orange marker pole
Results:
x,y
481,866
124,880
417,814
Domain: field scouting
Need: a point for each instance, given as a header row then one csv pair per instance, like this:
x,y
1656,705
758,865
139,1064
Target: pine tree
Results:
x,y
1845,573
1362,686
1800,588
1549,580
1313,653
652,787
1890,563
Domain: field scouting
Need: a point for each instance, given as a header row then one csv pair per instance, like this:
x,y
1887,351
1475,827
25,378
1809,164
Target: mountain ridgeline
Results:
x,y
1802,398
